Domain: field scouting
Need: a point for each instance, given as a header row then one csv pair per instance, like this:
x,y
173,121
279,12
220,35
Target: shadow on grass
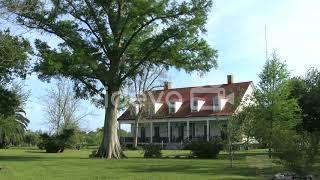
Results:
x,y
36,155
35,151
18,158
219,170
35,158
240,156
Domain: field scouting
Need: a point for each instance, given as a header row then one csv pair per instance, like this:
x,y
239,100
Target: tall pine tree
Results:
x,y
275,110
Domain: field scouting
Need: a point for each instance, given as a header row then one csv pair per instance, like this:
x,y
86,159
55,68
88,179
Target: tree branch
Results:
x,y
142,27
144,58
89,26
90,86
155,78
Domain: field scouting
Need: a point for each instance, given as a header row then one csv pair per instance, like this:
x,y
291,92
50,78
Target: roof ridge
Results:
x,y
201,86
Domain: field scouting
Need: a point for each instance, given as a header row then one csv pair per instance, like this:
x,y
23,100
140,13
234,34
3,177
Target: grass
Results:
x,y
26,164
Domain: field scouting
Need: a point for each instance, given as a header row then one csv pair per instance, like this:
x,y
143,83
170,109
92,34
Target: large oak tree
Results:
x,y
105,42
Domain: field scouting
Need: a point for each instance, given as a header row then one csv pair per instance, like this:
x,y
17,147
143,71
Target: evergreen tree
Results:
x,y
275,111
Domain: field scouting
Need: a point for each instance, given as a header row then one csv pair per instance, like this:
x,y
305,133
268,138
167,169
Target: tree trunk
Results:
x,y
110,146
230,152
135,133
136,128
270,141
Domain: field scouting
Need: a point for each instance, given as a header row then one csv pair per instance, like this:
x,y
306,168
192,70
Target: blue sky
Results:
x,y
236,30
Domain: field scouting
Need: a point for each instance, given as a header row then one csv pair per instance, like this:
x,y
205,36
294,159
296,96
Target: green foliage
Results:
x,y
152,151
9,101
307,92
92,138
14,56
13,122
203,149
31,138
303,148
136,33
56,143
297,152
104,43
274,109
93,154
123,133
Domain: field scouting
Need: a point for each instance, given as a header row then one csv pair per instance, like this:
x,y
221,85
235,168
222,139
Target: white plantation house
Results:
x,y
191,113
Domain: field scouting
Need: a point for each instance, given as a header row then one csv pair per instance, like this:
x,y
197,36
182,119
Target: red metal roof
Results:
x,y
185,95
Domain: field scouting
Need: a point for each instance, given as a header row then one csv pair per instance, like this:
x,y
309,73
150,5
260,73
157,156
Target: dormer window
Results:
x,y
196,104
216,106
135,109
172,107
219,103
151,110
216,101
194,107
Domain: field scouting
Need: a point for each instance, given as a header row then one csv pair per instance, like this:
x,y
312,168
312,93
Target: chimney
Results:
x,y
167,85
230,79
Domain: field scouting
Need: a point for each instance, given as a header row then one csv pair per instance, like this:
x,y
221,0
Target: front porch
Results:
x,y
175,131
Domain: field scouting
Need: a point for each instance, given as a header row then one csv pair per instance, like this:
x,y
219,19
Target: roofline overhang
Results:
x,y
173,119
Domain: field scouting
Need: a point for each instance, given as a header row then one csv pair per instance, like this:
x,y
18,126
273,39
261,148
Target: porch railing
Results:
x,y
166,139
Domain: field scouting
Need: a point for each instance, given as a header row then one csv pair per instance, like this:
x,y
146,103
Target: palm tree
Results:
x,y
12,128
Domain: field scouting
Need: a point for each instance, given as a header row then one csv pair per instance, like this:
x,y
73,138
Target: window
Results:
x,y
172,107
134,110
194,107
151,109
195,103
216,101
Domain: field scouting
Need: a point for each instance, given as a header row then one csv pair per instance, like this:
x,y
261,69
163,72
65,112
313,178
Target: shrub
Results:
x,y
40,145
297,152
130,147
55,143
31,138
203,149
93,154
152,151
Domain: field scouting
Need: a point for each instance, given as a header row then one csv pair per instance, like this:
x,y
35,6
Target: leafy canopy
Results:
x,y
307,92
105,42
274,109
14,62
14,56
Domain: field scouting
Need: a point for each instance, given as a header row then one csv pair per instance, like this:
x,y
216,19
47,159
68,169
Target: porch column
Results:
x,y
151,132
169,132
119,128
208,129
188,130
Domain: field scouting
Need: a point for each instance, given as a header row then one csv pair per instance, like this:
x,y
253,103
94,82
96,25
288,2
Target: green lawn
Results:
x,y
75,165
